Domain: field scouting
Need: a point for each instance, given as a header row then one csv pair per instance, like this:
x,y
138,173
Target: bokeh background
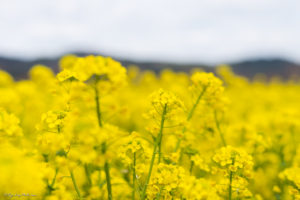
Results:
x,y
253,36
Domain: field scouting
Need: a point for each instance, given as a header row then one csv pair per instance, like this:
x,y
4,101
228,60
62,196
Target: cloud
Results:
x,y
211,31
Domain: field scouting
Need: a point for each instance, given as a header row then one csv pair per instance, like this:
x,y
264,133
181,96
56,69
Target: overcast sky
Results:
x,y
209,31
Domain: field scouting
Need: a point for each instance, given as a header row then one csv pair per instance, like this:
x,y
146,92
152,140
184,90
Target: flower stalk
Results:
x,y
133,176
88,174
106,165
98,109
190,115
155,151
230,186
230,182
219,129
160,135
75,184
108,182
50,187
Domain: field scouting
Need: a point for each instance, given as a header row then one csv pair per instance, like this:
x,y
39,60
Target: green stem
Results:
x,y
75,184
53,181
190,115
230,186
149,173
219,129
98,109
191,167
143,196
99,177
161,132
230,182
133,176
106,165
50,187
108,183
158,195
88,175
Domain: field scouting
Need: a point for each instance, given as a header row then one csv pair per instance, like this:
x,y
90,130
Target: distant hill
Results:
x,y
19,68
268,67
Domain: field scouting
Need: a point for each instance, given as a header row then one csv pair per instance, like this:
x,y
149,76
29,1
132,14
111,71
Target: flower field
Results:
x,y
97,130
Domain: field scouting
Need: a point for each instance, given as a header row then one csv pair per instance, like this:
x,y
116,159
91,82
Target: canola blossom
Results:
x,y
96,130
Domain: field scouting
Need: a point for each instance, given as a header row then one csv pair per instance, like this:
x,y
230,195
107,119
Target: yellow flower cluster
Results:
x,y
164,102
236,165
53,120
9,125
203,80
200,162
133,146
210,87
166,181
92,132
199,188
234,160
292,177
105,71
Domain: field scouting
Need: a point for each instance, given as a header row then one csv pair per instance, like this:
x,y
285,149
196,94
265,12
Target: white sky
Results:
x,y
209,31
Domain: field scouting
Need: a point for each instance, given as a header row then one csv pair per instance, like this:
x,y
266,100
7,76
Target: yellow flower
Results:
x,y
164,100
9,124
106,72
233,159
